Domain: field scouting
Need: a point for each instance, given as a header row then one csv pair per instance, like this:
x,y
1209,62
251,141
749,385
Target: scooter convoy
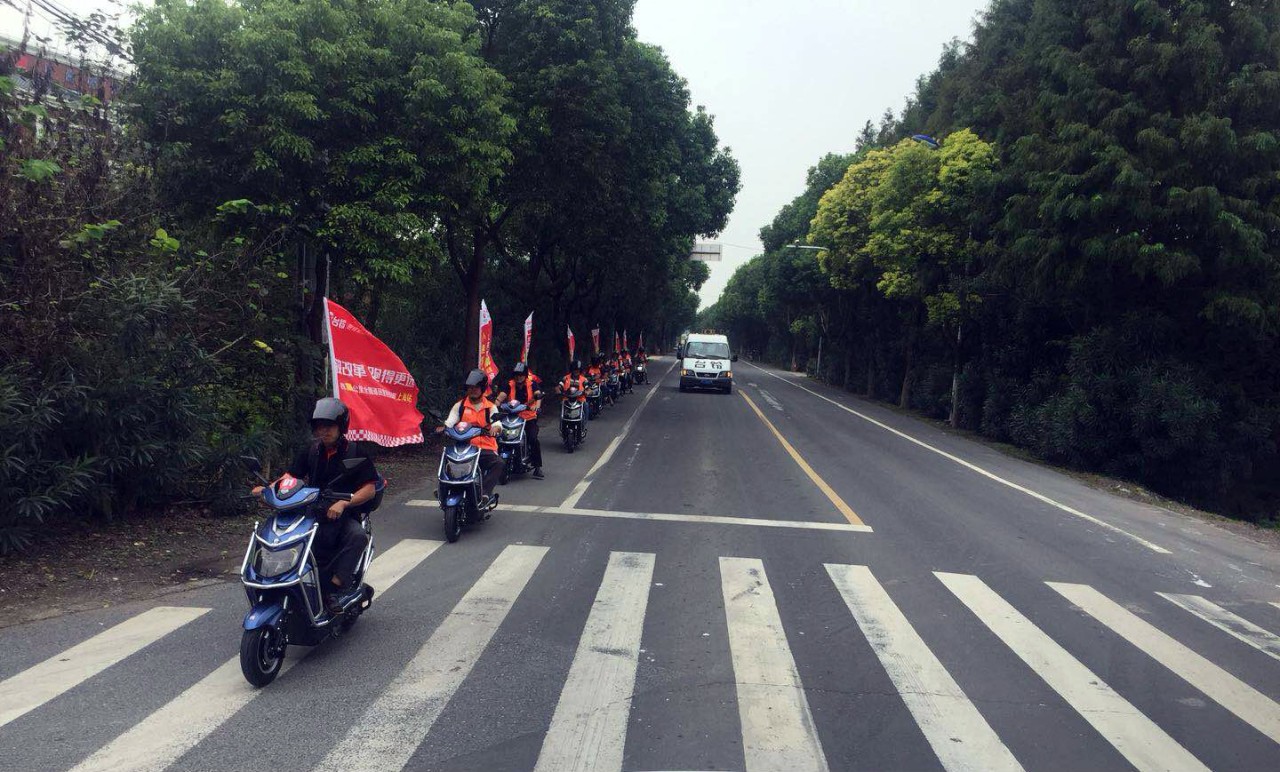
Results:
x,y
304,568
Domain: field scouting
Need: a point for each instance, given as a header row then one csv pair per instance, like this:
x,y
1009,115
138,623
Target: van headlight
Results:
x,y
271,563
684,372
726,374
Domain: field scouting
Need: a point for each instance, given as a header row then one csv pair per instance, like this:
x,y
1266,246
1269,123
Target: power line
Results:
x,y
76,23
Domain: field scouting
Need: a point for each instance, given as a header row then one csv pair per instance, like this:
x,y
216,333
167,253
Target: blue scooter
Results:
x,y
282,578
461,484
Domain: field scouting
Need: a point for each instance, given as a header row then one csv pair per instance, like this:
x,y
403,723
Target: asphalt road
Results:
x,y
785,578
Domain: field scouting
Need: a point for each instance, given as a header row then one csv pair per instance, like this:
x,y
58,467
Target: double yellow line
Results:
x,y
844,508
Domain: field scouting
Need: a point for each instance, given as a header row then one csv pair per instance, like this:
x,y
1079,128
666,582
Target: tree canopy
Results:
x,y
1088,264
406,157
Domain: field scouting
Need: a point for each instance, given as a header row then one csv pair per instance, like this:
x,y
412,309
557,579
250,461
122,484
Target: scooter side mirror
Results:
x,y
352,464
252,464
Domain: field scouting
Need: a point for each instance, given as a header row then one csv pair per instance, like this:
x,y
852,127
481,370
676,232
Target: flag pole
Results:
x,y
331,372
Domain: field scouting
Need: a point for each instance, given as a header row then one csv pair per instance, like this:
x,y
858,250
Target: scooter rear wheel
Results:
x,y
452,523
261,656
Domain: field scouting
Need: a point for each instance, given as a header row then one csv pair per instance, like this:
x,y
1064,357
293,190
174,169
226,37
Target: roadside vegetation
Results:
x,y
161,256
1068,239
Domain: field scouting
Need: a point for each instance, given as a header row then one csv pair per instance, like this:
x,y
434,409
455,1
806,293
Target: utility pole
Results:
x,y
26,27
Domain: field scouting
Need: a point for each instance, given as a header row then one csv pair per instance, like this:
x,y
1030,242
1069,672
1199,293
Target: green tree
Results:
x,y
360,126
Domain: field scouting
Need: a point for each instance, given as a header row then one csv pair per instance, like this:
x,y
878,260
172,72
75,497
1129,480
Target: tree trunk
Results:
x,y
955,383
871,374
848,370
375,309
904,397
473,280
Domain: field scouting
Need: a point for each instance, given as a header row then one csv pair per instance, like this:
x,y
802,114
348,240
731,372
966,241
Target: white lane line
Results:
x,y
675,518
176,727
62,672
974,467
778,734
1232,624
1136,737
580,489
589,728
959,735
391,729
1247,703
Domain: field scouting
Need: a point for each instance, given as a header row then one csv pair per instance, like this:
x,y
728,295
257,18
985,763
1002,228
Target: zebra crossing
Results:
x,y
588,727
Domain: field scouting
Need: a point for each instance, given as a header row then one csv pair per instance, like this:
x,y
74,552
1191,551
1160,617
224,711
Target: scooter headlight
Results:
x,y
458,470
511,433
271,563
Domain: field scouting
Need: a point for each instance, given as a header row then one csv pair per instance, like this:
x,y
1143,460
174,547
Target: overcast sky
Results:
x,y
787,80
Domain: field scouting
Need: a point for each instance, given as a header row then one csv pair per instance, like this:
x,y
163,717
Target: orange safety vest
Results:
x,y
532,412
567,384
479,416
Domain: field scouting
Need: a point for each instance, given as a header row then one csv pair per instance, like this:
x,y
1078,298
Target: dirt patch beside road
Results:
x,y
77,565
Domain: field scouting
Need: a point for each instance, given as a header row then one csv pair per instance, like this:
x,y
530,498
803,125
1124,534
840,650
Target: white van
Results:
x,y
706,363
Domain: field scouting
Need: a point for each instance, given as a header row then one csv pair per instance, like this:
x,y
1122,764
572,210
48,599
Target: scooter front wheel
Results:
x,y
261,655
452,523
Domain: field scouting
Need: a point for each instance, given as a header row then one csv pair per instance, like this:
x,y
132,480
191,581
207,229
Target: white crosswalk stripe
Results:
x,y
1247,703
956,731
778,733
589,728
175,728
391,729
1136,737
589,724
1232,624
62,672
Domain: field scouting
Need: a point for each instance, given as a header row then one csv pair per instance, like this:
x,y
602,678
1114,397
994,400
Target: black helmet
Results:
x,y
520,369
476,378
332,409
575,365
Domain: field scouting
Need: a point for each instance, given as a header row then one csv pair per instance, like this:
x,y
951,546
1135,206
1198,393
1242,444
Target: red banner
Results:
x,y
595,339
373,383
625,347
570,329
640,341
528,338
487,365
617,344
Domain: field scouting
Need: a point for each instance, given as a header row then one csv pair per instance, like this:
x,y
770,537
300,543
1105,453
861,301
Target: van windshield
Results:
x,y
701,350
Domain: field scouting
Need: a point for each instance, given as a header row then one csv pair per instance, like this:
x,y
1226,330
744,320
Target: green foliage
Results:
x,y
1088,265
405,157
37,169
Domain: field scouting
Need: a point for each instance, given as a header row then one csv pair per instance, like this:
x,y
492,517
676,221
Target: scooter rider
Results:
x,y
339,539
526,389
574,380
477,410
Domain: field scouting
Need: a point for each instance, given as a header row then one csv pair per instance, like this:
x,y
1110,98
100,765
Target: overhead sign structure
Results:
x,y
707,253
